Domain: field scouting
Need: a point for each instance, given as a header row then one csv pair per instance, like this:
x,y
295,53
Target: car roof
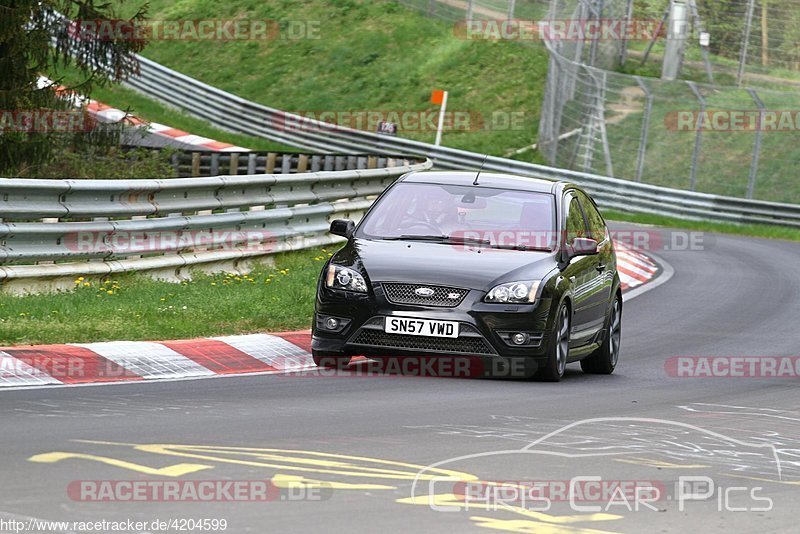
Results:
x,y
486,179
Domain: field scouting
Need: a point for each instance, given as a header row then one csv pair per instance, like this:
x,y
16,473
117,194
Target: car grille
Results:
x,y
468,342
442,297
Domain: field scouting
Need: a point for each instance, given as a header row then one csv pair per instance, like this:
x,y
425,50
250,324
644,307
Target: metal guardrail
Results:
x,y
231,112
54,230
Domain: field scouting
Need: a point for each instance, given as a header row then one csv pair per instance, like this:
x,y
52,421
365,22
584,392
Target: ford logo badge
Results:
x,y
424,292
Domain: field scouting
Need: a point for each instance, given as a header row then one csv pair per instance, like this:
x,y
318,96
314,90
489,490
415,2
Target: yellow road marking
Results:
x,y
760,479
651,462
298,460
530,527
291,481
339,464
176,470
450,499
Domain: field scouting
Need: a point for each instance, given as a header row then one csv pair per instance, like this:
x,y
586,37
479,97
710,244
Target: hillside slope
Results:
x,y
365,56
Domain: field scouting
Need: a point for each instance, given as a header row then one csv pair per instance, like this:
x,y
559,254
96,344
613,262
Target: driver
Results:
x,y
436,209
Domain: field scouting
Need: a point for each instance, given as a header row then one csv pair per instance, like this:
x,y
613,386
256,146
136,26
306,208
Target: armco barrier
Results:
x,y
54,230
228,111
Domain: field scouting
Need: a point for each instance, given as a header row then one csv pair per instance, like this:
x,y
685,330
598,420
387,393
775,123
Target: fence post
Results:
x,y
547,127
748,22
214,164
623,51
512,7
751,182
648,108
598,16
195,164
470,7
698,136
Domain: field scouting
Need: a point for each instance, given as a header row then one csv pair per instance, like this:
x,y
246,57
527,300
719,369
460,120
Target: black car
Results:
x,y
517,272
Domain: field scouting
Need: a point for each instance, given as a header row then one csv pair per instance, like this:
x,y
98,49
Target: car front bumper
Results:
x,y
484,329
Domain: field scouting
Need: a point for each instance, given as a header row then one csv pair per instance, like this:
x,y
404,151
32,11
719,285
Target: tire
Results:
x,y
330,360
558,351
604,360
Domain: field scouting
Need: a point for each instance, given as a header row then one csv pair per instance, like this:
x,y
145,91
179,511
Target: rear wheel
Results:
x,y
553,369
603,361
330,359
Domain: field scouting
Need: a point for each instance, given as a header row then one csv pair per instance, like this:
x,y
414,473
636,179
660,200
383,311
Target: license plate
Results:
x,y
420,327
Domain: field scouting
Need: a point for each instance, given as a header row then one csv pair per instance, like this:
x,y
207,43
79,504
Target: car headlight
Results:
x,y
339,277
513,293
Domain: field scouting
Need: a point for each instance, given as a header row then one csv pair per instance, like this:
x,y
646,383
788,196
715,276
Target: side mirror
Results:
x,y
583,246
343,227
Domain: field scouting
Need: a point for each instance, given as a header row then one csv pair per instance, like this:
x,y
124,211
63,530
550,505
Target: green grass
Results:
x,y
133,307
153,111
370,56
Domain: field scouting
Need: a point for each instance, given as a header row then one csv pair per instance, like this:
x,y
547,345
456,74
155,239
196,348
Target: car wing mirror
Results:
x,y
343,227
583,246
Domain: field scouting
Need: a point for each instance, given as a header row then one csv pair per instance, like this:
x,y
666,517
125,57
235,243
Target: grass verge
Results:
x,y
134,307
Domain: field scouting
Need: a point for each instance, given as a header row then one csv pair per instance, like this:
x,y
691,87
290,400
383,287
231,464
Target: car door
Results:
x,y
605,258
582,272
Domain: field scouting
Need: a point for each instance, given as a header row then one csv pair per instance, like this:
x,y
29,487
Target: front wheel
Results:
x,y
330,359
603,361
557,353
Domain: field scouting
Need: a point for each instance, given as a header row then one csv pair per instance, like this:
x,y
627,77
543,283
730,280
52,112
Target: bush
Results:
x,y
103,163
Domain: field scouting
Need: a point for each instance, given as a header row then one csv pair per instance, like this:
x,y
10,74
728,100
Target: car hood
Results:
x,y
464,266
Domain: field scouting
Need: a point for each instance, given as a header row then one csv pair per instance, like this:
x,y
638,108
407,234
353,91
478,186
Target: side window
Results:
x,y
576,225
597,226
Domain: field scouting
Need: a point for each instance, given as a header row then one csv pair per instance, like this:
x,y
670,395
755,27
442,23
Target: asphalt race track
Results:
x,y
344,451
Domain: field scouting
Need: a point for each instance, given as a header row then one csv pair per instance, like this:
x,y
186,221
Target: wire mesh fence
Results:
x,y
713,138
606,110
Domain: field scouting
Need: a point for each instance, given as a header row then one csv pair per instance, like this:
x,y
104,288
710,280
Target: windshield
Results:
x,y
499,218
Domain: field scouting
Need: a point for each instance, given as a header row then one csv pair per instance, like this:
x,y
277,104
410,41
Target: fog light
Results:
x,y
331,323
519,338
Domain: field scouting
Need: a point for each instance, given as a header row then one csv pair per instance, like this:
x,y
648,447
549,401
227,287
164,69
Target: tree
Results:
x,y
39,37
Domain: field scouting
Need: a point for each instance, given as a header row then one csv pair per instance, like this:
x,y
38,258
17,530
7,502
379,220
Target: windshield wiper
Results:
x,y
526,248
415,237
439,239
